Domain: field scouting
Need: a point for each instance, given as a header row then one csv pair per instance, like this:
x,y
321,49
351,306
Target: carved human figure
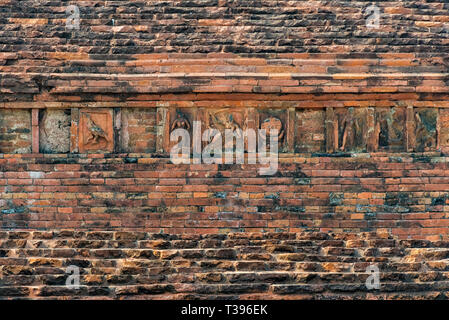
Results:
x,y
350,128
347,132
377,134
425,139
181,122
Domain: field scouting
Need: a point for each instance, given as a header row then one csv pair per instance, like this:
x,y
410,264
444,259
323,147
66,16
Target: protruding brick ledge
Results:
x,y
136,265
230,82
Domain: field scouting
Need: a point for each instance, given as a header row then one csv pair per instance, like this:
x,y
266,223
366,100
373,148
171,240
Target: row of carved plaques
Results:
x,y
148,130
382,129
222,119
327,130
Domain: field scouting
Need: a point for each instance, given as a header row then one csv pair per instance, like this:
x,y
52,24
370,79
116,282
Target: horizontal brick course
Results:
x,y
305,265
321,194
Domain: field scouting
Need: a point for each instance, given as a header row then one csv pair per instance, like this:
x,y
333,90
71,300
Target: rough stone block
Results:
x,y
54,131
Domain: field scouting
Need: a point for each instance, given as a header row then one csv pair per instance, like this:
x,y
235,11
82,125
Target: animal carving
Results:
x,y
222,122
94,131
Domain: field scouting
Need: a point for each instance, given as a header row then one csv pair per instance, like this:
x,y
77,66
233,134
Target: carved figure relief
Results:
x,y
177,118
443,132
281,120
96,131
181,122
351,129
389,124
426,129
272,123
223,120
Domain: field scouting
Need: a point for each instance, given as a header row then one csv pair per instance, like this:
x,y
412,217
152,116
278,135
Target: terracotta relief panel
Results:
x,y
443,130
277,119
177,118
366,129
96,133
389,129
233,119
350,126
426,129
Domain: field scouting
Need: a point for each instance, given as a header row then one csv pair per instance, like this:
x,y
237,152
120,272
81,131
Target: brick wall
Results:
x,y
85,121
406,196
141,130
15,131
141,265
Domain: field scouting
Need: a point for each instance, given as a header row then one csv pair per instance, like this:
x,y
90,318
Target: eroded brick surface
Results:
x,y
363,125
310,130
212,46
138,132
305,265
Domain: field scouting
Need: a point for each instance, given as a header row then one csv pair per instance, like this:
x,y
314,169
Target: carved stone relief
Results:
x,y
96,132
426,129
389,129
275,119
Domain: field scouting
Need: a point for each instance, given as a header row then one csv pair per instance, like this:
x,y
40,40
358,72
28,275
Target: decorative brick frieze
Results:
x,y
303,130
